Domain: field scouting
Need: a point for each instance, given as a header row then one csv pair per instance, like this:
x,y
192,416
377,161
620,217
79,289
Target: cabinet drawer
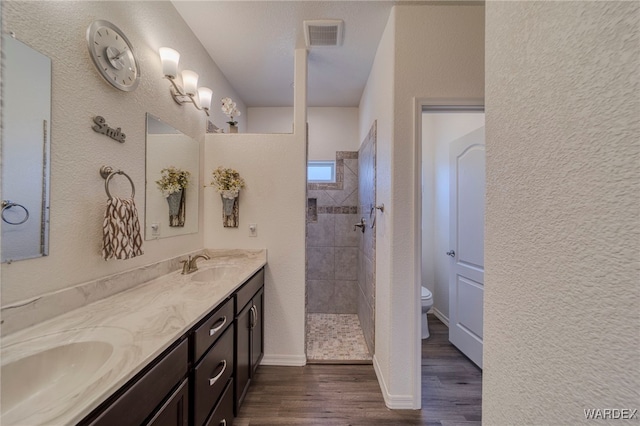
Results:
x,y
211,376
142,398
223,413
246,292
212,328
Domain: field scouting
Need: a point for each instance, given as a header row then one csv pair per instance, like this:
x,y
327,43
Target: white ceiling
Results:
x,y
253,43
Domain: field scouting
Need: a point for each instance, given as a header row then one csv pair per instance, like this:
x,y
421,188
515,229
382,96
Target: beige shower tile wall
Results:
x,y
367,244
332,245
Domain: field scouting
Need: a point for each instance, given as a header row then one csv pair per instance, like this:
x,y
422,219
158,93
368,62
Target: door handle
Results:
x,y
254,316
451,253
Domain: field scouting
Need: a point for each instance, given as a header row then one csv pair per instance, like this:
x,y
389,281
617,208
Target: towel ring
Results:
x,y
107,173
7,204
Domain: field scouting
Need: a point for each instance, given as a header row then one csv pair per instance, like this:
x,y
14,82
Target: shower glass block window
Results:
x,y
321,171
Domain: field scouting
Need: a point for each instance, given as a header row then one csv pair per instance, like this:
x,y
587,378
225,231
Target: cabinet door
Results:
x,y
175,411
145,395
257,331
243,356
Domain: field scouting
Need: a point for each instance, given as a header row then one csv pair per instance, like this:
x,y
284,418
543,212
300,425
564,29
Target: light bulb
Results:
x,y
190,82
169,59
205,94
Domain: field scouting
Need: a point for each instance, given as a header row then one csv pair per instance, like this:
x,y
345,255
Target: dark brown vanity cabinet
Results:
x,y
158,396
249,325
201,379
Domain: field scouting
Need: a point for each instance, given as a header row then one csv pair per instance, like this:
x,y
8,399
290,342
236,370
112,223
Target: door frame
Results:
x,y
421,105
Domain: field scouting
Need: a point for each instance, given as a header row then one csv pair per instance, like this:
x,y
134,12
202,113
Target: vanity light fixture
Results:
x,y
189,92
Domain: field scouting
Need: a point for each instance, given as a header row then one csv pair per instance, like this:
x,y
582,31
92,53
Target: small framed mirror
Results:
x,y
172,175
26,140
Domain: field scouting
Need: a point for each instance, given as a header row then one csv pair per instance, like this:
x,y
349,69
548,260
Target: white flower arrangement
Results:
x,y
172,180
227,182
229,109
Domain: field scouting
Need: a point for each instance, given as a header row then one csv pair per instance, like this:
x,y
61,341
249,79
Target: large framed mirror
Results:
x,y
26,137
172,175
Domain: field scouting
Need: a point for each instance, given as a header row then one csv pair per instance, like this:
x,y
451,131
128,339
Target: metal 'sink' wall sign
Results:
x,y
103,128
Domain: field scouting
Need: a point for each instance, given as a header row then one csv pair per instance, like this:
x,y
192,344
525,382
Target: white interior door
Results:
x,y
466,280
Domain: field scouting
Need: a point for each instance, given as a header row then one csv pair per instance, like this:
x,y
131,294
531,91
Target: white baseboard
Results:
x,y
284,360
393,402
441,316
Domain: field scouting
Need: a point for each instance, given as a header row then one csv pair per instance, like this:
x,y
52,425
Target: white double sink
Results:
x,y
52,371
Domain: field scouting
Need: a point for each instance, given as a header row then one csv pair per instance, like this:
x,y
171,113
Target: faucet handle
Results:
x,y
185,265
362,224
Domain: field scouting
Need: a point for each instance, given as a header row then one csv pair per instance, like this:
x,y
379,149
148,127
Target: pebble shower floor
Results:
x,y
336,338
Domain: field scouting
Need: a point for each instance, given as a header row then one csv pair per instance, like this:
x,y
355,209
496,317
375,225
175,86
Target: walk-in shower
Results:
x,y
340,273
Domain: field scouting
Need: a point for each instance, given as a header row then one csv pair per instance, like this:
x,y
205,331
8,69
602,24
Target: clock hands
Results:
x,y
116,57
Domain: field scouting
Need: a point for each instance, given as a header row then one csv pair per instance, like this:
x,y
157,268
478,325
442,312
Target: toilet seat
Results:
x,y
426,303
426,294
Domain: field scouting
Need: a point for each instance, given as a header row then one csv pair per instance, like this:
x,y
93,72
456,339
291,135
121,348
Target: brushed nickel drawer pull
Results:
x,y
213,380
214,330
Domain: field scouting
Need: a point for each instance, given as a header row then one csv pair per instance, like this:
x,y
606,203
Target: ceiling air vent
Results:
x,y
327,32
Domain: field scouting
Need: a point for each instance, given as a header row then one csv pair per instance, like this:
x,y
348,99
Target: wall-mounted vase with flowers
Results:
x,y
228,183
172,184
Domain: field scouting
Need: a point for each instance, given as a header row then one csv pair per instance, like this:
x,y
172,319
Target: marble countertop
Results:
x,y
137,325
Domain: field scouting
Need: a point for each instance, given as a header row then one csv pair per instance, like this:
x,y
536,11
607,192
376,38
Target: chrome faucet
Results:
x,y
191,263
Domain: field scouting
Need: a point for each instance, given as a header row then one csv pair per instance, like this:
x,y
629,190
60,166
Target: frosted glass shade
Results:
x,y
169,59
205,94
190,82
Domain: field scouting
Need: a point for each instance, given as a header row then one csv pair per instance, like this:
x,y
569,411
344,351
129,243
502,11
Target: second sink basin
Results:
x,y
214,273
57,370
46,371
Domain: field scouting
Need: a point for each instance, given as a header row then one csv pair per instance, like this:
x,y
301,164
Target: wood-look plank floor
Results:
x,y
350,394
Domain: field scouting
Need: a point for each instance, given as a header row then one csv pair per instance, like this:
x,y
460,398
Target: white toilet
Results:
x,y
427,303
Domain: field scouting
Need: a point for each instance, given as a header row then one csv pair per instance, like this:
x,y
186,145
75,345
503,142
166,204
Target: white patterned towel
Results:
x,y
121,230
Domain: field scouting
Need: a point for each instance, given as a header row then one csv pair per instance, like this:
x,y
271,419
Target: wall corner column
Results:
x,y
300,93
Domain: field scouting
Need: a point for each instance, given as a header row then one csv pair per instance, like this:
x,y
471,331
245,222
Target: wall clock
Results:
x,y
113,55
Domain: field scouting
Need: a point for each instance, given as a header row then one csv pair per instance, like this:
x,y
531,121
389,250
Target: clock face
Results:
x,y
113,55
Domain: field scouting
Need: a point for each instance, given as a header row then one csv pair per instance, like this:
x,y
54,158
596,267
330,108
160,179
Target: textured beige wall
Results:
x,y
375,105
274,168
331,129
562,233
78,199
439,54
428,52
